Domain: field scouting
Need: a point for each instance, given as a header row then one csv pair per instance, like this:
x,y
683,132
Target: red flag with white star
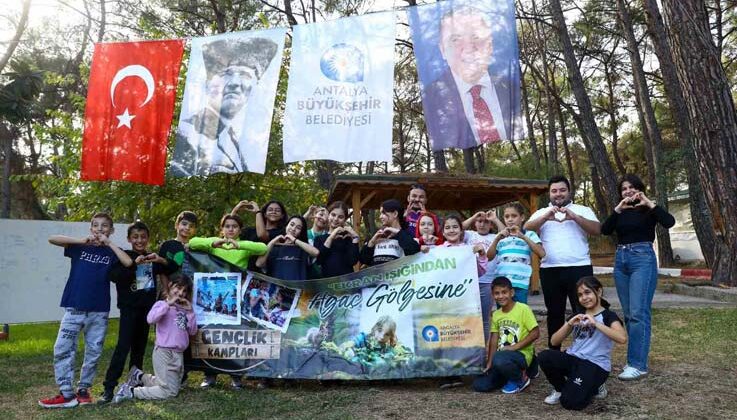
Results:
x,y
130,105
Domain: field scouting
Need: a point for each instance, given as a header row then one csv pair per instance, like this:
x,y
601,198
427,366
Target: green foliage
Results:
x,y
17,96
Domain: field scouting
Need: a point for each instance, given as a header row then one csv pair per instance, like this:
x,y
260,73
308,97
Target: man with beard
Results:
x,y
563,228
416,202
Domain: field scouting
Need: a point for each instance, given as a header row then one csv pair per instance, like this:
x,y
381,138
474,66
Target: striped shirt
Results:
x,y
514,258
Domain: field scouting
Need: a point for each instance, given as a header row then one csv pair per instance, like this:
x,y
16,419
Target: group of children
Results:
x,y
284,247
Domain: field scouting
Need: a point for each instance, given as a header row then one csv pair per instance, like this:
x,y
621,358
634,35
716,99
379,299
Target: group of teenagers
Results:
x,y
155,288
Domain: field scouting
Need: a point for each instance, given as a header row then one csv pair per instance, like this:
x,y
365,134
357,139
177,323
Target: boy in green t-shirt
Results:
x,y
510,350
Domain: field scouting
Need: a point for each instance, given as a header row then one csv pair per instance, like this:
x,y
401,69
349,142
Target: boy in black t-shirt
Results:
x,y
136,286
174,250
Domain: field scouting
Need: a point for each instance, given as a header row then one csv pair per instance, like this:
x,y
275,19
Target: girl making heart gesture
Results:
x,y
513,247
288,256
338,248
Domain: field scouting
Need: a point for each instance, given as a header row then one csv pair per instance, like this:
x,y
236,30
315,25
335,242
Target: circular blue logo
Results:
x,y
430,333
342,63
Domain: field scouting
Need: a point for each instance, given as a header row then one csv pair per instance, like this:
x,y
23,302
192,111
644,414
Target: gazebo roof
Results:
x,y
445,192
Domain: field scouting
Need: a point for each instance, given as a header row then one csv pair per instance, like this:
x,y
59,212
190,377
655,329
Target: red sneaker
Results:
x,y
58,402
83,396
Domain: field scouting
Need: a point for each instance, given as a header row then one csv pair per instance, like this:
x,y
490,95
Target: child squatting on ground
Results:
x,y
175,322
86,303
579,373
510,349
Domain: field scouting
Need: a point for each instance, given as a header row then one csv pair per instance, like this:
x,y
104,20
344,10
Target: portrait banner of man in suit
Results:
x,y
468,63
225,122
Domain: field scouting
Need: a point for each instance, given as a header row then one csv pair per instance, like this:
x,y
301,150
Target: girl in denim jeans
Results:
x,y
635,267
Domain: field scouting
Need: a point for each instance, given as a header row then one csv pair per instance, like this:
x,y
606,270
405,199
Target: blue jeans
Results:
x,y
485,294
636,275
505,366
94,326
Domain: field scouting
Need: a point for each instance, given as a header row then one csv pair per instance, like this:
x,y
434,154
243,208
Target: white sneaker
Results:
x,y
631,374
602,392
553,398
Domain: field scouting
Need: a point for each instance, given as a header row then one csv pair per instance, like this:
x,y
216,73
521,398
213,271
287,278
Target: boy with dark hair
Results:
x,y
136,286
86,303
174,250
510,349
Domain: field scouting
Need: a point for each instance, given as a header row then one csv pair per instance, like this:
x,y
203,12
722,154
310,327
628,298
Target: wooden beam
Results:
x,y
526,203
367,198
535,280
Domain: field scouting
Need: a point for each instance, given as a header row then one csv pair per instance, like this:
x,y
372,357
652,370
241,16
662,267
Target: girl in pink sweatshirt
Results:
x,y
175,322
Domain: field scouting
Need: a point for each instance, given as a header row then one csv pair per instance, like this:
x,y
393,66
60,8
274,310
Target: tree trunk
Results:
x,y
594,143
700,213
479,152
6,137
530,128
440,164
16,38
612,111
713,121
566,150
553,163
468,160
326,170
655,153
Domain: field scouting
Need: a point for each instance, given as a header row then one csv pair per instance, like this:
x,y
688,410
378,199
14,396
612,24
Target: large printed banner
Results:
x,y
129,108
339,99
418,316
228,103
468,63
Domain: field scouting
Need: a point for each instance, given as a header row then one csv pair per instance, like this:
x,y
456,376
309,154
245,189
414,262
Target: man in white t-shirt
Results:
x,y
564,228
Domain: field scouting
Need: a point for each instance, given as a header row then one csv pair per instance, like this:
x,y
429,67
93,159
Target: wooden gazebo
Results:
x,y
461,193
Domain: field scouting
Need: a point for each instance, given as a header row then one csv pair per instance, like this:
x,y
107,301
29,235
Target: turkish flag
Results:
x,y
130,105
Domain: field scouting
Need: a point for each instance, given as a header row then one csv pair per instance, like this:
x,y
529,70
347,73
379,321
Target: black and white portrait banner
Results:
x,y
228,103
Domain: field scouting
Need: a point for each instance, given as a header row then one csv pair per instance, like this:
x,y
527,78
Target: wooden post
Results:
x,y
356,204
535,280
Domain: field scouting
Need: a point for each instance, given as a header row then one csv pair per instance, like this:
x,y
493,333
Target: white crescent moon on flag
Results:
x,y
133,71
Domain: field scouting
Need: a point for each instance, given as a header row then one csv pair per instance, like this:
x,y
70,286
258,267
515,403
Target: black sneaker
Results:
x,y
106,397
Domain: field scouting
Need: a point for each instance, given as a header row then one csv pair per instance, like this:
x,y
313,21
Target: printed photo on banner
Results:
x,y
339,100
380,337
225,122
268,304
216,298
468,63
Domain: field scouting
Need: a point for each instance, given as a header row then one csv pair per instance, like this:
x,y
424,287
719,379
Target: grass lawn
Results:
x,y
693,375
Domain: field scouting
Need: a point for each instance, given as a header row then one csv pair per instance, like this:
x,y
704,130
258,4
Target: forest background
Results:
x,y
609,87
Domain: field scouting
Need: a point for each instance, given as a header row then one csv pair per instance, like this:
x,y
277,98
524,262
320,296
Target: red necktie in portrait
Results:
x,y
129,108
484,120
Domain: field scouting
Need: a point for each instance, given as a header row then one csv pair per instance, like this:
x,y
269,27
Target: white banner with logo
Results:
x,y
228,103
339,99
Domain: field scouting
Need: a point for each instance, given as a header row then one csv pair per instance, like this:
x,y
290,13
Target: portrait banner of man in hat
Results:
x,y
225,122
